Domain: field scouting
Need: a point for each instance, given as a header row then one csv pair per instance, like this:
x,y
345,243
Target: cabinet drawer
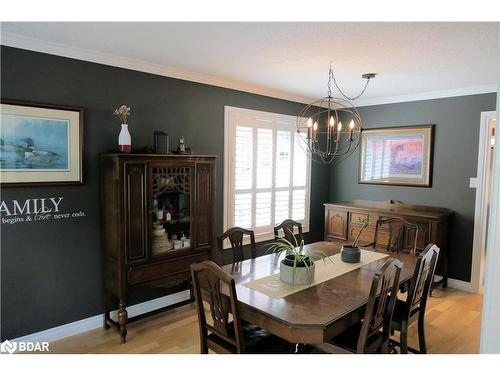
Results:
x,y
368,235
154,271
357,217
172,280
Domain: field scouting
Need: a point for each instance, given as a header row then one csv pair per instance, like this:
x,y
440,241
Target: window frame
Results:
x,y
233,117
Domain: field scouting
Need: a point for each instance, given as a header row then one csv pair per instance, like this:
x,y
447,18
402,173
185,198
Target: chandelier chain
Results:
x,y
331,77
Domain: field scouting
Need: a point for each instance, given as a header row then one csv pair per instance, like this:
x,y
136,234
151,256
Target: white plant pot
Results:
x,y
303,275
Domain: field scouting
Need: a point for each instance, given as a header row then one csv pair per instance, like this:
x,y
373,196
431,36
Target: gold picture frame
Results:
x,y
401,156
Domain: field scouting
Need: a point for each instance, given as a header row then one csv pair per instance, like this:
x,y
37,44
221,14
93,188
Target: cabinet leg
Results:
x,y
122,321
106,309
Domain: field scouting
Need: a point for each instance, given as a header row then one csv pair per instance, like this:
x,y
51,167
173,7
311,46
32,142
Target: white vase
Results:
x,y
124,140
300,276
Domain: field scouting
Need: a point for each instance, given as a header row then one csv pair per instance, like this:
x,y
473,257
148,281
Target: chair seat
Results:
x,y
257,340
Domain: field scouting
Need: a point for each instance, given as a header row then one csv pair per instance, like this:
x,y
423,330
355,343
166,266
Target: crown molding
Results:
x,y
429,95
64,50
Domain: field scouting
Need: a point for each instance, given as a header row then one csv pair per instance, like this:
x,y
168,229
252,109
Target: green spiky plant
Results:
x,y
282,245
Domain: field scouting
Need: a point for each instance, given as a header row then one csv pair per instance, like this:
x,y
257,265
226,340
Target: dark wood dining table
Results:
x,y
315,314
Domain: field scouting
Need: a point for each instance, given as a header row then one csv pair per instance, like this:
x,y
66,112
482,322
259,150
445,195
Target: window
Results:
x,y
266,172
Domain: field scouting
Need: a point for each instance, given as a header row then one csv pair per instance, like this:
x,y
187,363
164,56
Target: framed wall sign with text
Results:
x,y
397,156
40,144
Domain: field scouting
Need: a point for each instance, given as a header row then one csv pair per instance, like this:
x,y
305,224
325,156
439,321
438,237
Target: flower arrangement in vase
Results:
x,y
124,139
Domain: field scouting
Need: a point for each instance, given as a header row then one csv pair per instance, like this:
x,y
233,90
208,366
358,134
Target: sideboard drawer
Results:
x,y
357,217
154,271
368,235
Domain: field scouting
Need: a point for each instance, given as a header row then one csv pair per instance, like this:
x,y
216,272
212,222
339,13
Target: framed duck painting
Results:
x,y
397,156
40,144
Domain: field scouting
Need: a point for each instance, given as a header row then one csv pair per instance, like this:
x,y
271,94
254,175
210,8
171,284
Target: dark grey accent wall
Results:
x,y
51,272
455,161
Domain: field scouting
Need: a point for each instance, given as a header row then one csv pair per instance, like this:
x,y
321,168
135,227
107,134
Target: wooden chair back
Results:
x,y
288,226
379,309
235,236
208,279
397,227
423,277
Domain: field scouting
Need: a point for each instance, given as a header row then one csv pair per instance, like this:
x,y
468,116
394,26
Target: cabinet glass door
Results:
x,y
171,213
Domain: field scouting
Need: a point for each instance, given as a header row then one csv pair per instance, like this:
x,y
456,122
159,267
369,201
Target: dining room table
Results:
x,y
317,312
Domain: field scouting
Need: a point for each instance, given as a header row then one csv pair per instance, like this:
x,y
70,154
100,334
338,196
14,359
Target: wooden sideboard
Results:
x,y
343,220
144,247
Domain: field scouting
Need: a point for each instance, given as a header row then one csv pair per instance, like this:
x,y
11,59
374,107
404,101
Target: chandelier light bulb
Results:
x,y
315,126
339,126
351,125
332,121
309,122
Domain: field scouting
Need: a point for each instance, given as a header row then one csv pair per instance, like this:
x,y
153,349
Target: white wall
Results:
x,y
490,326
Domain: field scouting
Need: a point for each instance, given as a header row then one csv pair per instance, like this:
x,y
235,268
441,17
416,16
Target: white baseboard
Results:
x,y
461,285
87,324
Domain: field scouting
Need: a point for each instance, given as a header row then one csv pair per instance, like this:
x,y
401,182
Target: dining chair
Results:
x,y
235,236
413,308
397,228
227,333
288,226
371,335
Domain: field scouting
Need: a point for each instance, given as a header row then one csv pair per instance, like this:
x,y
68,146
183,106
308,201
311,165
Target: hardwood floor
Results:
x,y
453,322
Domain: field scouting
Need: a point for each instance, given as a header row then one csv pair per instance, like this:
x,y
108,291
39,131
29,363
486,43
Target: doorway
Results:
x,y
483,197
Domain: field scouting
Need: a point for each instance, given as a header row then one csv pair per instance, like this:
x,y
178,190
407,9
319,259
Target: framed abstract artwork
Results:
x,y
397,156
40,144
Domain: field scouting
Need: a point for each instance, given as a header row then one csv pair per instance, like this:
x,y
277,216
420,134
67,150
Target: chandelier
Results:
x,y
330,128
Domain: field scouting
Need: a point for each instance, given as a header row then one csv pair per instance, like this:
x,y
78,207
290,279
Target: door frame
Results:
x,y
477,270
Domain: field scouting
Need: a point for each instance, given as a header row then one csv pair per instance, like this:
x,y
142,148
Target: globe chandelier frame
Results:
x,y
321,125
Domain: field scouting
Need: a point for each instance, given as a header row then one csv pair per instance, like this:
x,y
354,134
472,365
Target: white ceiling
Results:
x,y
289,60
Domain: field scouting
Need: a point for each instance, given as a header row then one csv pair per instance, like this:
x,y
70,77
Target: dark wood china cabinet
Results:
x,y
158,215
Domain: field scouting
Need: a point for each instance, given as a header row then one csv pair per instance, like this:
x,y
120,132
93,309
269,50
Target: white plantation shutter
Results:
x,y
264,158
263,209
266,172
243,157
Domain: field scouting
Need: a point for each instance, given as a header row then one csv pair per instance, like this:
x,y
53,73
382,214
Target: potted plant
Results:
x,y
351,253
297,267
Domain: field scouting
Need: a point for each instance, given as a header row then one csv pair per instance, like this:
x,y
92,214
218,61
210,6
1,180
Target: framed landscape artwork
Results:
x,y
397,156
40,144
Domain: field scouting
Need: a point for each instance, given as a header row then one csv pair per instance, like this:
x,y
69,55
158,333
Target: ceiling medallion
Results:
x,y
330,128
